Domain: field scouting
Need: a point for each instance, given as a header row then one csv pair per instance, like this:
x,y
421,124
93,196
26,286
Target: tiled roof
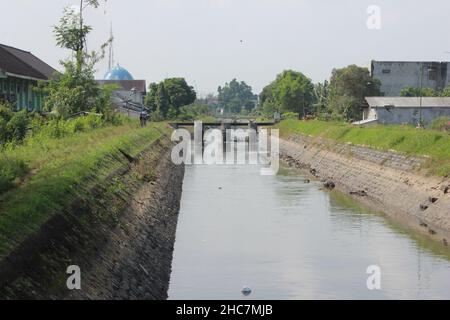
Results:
x,y
409,102
23,63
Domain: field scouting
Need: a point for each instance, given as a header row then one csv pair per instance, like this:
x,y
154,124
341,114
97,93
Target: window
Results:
x,y
386,71
432,74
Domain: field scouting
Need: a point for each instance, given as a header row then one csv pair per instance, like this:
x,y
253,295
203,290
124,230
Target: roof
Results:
x,y
410,61
409,102
23,63
118,73
127,85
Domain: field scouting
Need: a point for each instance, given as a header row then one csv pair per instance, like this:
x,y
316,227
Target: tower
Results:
x,y
111,50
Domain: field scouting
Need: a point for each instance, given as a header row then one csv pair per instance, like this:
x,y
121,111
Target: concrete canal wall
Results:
x,y
120,233
388,182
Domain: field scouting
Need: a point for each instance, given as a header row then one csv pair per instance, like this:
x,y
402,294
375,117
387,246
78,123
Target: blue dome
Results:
x,y
118,73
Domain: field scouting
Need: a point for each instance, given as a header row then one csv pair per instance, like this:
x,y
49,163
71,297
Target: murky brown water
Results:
x,y
287,239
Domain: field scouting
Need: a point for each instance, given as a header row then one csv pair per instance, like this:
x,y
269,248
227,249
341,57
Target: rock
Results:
x,y
445,242
432,199
329,184
361,193
307,181
313,172
246,291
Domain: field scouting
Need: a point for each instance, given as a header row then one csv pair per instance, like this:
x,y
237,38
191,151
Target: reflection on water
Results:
x,y
287,239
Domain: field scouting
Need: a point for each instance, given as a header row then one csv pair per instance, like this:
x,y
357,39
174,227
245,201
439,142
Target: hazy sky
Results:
x,y
201,39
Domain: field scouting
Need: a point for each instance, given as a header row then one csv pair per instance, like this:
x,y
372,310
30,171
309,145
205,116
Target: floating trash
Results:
x,y
246,291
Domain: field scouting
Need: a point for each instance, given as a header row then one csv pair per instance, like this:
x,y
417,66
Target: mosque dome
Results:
x,y
118,73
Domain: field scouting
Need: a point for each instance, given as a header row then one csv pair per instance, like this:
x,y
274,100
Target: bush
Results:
x,y
441,123
290,115
10,170
17,127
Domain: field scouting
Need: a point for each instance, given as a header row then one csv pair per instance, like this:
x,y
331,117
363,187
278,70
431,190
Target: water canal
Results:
x,y
287,239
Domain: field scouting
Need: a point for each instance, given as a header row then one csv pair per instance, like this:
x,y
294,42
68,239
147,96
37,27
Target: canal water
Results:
x,y
287,239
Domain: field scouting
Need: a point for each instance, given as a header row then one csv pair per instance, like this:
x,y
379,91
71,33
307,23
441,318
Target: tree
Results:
x,y
236,96
167,97
71,32
348,88
321,94
179,92
75,89
291,91
418,92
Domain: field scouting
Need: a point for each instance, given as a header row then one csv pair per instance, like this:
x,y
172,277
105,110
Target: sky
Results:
x,y
210,42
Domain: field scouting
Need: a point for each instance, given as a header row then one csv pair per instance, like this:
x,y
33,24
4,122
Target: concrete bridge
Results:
x,y
224,125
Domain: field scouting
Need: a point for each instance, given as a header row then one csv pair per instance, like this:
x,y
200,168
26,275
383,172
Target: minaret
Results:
x,y
111,50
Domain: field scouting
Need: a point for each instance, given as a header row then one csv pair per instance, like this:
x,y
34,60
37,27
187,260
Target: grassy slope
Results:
x,y
58,166
403,139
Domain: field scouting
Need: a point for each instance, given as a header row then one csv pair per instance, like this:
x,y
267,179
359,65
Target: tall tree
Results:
x,y
75,89
236,96
291,91
348,88
321,93
167,97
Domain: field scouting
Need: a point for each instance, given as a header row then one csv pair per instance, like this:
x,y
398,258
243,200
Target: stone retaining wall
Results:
x,y
385,181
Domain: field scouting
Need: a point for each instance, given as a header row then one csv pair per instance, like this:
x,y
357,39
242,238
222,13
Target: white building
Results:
x,y
404,110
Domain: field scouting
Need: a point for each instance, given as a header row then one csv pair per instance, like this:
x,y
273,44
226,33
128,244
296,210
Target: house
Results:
x,y
20,72
396,75
129,93
404,110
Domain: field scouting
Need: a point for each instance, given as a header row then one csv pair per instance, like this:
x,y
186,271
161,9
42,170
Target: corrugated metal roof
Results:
x,y
24,63
409,102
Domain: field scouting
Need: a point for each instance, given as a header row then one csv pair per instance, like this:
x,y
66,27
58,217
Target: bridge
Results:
x,y
224,125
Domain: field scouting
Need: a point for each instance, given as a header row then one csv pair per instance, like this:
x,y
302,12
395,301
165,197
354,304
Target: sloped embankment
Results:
x,y
386,181
119,228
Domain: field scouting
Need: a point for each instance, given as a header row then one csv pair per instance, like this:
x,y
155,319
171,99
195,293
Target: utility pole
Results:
x,y
421,95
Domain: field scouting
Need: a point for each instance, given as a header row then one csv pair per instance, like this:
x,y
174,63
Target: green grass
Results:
x,y
404,139
59,170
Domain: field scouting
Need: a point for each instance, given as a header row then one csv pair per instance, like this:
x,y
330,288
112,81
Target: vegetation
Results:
x,y
405,139
166,98
340,99
441,123
13,169
424,92
56,167
195,111
236,97
290,92
347,90
13,125
75,89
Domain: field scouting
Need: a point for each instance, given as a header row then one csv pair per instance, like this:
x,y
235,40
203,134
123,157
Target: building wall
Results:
x,y
410,115
20,94
395,76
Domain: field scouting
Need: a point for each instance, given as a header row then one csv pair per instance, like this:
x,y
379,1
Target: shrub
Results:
x,y
10,170
290,115
441,123
16,128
